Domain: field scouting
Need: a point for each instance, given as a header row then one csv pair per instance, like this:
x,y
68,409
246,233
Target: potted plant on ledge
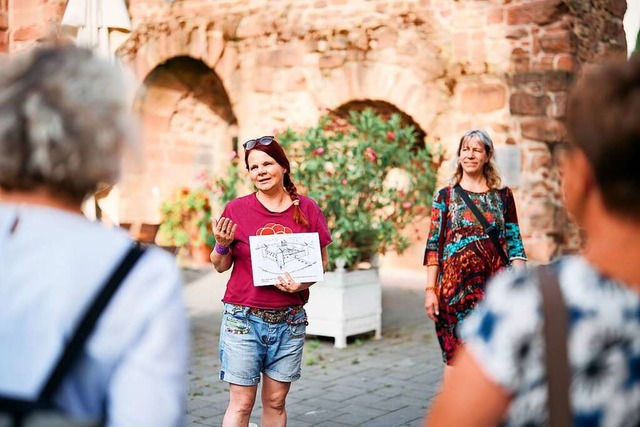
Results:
x,y
186,222
371,177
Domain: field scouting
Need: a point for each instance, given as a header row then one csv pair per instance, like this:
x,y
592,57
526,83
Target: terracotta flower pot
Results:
x,y
200,254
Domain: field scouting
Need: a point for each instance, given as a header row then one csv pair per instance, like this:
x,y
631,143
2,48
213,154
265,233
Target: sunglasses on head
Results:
x,y
264,140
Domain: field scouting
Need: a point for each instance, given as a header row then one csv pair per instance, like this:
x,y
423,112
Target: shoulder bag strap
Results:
x,y
489,229
556,354
88,322
443,226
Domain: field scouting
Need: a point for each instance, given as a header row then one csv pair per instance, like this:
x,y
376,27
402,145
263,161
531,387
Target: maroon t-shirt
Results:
x,y
254,219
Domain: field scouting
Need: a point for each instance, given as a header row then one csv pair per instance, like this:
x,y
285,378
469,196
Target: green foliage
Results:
x,y
369,175
186,219
186,215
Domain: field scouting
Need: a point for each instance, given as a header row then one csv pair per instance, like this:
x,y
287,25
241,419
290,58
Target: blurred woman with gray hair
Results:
x,y
64,124
465,248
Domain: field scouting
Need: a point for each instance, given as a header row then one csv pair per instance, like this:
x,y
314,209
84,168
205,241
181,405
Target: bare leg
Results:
x,y
274,396
241,402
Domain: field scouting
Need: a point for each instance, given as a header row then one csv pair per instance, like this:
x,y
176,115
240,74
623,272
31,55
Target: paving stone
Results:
x,y
193,404
302,408
210,422
387,383
398,418
319,415
321,403
295,422
207,411
331,423
358,415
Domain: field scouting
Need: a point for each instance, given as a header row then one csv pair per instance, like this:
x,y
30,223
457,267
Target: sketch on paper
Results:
x,y
298,254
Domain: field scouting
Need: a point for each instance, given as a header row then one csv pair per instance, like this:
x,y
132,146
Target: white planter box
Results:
x,y
345,304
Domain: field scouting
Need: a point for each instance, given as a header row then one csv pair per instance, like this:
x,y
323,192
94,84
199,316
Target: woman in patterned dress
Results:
x,y
501,375
460,256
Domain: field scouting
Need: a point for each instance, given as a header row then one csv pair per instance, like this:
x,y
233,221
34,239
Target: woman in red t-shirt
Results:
x,y
263,327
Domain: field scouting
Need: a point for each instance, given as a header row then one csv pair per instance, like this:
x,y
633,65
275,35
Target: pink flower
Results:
x,y
407,205
232,155
370,154
391,135
344,181
318,151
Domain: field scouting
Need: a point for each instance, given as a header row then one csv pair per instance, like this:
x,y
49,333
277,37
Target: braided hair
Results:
x,y
275,151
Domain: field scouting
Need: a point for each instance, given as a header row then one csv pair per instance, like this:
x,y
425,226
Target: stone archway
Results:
x,y
382,108
189,129
417,231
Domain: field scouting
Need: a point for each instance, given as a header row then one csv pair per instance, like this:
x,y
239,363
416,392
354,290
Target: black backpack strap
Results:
x,y
88,323
489,229
555,327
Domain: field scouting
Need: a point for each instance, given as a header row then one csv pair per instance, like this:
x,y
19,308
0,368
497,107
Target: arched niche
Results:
x,y
188,131
383,109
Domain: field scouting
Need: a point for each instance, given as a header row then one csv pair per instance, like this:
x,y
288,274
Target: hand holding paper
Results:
x,y
278,259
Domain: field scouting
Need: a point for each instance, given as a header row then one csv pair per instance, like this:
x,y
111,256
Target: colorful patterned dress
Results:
x,y
468,256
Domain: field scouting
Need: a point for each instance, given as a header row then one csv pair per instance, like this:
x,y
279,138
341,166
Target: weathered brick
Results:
x,y
4,41
385,37
483,98
27,4
546,62
32,32
613,31
526,104
516,33
286,57
495,16
558,80
558,106
539,12
528,78
520,60
565,62
264,81
617,7
332,60
542,129
557,41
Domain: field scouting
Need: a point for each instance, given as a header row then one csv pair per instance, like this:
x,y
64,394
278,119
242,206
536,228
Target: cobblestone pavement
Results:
x,y
388,382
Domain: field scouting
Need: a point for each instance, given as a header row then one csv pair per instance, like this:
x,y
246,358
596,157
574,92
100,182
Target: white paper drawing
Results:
x,y
297,254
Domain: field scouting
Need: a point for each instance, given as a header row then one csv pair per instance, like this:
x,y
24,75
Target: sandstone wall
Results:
x,y
215,73
23,21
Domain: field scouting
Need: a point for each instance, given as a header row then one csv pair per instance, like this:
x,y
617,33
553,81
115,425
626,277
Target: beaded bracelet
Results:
x,y
430,288
221,249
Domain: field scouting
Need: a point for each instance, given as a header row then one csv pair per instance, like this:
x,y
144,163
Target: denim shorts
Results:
x,y
249,346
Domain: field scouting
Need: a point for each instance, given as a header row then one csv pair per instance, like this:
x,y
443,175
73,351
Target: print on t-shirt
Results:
x,y
273,228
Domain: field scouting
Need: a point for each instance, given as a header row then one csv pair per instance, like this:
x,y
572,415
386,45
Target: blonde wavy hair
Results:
x,y
64,121
490,170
